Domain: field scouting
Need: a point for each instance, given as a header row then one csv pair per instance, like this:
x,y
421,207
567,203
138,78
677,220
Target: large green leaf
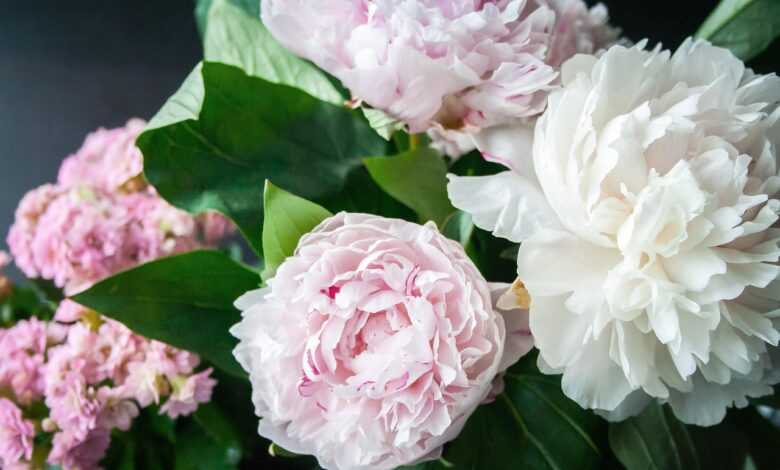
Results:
x,y
184,300
531,425
654,440
418,179
248,130
287,218
233,37
746,27
196,450
202,8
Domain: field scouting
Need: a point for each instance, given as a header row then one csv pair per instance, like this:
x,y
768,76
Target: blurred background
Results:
x,y
67,68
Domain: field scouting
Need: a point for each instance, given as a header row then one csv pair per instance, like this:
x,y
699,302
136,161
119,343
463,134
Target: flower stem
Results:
x,y
414,141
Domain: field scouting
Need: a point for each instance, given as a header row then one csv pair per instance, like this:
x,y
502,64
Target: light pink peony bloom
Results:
x,y
188,393
372,345
16,435
460,64
108,159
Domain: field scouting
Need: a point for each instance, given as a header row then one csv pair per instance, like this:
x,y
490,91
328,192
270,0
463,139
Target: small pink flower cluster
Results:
x,y
93,374
92,379
101,217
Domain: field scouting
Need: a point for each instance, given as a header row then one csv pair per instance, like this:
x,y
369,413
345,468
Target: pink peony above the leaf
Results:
x,y
372,344
460,64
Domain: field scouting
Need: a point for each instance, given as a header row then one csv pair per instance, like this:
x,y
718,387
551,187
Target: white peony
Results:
x,y
647,218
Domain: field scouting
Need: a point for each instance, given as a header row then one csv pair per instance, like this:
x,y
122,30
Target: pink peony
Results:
x,y
372,344
16,435
107,160
434,64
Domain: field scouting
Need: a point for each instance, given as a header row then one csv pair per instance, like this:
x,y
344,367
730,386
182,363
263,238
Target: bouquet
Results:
x,y
386,234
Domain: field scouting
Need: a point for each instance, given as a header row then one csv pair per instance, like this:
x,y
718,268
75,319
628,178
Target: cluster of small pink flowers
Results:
x,y
93,377
93,374
101,217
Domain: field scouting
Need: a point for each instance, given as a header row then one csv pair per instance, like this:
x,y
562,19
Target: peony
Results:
x,y
653,186
372,344
461,64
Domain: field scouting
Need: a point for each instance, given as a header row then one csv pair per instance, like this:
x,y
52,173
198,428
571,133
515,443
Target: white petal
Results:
x,y
507,204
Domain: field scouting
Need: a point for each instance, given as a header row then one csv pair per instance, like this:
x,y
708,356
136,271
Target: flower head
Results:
x,y
16,435
445,65
188,393
372,344
653,185
108,159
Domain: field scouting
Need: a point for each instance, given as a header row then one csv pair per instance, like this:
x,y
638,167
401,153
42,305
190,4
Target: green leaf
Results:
x,y
202,7
196,450
459,227
248,130
235,38
418,179
287,218
382,123
185,301
221,430
276,451
184,105
531,425
722,447
653,440
746,27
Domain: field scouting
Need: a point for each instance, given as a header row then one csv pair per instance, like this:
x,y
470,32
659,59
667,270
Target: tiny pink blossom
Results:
x,y
144,382
117,411
188,393
16,435
79,452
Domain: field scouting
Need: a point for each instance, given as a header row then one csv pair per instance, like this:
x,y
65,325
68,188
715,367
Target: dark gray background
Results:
x,y
67,68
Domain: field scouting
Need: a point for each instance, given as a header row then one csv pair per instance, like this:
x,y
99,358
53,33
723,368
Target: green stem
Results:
x,y
414,141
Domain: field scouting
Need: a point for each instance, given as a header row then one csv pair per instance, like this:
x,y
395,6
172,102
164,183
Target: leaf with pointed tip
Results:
x,y
746,27
233,37
184,300
248,130
418,179
653,440
287,218
531,425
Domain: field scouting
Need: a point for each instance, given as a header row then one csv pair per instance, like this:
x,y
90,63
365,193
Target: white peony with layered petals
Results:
x,y
647,211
